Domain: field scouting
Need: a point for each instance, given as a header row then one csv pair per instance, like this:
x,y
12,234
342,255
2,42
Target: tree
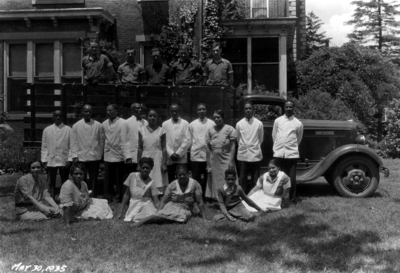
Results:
x,y
357,75
314,39
375,25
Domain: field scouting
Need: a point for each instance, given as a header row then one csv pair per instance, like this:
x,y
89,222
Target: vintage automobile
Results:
x,y
332,149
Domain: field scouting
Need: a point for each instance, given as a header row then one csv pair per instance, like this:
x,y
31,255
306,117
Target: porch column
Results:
x,y
249,75
282,66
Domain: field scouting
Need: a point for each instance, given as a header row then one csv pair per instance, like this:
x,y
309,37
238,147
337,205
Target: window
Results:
x,y
71,63
259,9
31,61
17,75
236,52
267,112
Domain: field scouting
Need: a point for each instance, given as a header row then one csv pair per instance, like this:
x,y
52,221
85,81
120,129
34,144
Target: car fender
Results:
x,y
320,168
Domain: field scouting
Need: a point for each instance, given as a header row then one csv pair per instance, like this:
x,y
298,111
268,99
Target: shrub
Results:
x,y
390,146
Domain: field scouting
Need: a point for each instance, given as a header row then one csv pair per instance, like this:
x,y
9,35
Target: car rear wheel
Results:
x,y
356,176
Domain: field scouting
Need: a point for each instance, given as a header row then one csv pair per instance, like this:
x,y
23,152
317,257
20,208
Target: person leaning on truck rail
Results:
x,y
87,145
287,134
130,72
55,153
97,68
186,71
157,73
250,136
218,71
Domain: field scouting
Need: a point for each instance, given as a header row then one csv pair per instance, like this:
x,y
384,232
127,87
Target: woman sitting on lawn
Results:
x,y
142,193
75,201
272,189
32,199
178,200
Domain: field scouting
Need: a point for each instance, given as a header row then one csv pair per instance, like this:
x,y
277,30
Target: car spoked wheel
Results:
x,y
356,176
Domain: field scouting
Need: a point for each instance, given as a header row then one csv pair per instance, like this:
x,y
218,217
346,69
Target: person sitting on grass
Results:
x,y
142,193
272,189
75,200
230,197
178,200
32,198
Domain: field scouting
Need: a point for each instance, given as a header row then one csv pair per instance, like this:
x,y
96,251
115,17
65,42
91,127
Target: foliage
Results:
x,y
322,106
375,23
179,30
314,39
257,89
359,76
391,144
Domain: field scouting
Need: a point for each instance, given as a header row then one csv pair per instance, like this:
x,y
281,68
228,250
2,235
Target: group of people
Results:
x,y
143,162
217,71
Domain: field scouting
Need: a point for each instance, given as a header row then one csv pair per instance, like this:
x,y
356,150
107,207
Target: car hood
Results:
x,y
311,124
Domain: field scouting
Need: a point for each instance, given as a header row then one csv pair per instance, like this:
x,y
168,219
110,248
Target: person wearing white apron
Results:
x,y
141,192
271,192
152,144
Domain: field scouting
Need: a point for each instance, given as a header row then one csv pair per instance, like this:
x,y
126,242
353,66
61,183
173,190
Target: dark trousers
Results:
x,y
130,168
288,166
198,169
92,169
52,173
113,175
171,171
246,169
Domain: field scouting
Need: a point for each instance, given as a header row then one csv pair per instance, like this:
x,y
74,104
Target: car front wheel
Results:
x,y
356,176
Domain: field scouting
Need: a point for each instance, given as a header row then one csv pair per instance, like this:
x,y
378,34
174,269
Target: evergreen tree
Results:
x,y
375,25
315,39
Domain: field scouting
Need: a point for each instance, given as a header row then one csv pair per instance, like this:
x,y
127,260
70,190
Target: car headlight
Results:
x,y
360,139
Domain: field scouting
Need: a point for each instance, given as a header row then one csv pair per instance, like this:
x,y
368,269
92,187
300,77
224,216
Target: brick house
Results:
x,y
38,39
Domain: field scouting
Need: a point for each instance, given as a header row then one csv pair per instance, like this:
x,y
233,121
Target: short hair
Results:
x,y
220,112
275,162
181,167
175,104
292,102
58,110
78,166
115,106
230,171
130,48
137,104
146,160
83,107
152,110
34,161
184,47
94,41
248,102
201,104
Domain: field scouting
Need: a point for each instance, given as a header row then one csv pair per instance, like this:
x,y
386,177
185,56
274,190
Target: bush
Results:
x,y
390,146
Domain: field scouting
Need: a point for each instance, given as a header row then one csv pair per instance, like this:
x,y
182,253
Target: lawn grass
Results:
x,y
322,233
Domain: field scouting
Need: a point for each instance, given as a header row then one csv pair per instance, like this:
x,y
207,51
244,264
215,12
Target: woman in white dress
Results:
x,y
152,144
271,192
142,193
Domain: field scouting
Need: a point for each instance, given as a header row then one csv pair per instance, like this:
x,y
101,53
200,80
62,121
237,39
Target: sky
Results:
x,y
333,14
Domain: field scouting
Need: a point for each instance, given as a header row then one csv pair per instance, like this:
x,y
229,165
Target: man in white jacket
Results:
x,y
87,145
134,123
116,152
177,140
55,151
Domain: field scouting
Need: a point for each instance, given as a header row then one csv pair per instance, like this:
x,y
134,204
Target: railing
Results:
x,y
45,98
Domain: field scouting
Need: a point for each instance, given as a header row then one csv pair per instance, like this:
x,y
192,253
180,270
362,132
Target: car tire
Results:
x,y
356,177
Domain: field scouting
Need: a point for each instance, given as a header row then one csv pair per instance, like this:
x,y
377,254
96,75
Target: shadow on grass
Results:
x,y
290,241
315,189
18,231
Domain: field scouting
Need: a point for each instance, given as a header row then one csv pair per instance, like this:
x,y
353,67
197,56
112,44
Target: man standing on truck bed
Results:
x,y
218,71
185,70
130,72
177,140
87,145
157,73
97,68
250,136
287,134
55,151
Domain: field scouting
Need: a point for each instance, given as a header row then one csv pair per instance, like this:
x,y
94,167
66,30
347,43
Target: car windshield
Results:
x,y
267,112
